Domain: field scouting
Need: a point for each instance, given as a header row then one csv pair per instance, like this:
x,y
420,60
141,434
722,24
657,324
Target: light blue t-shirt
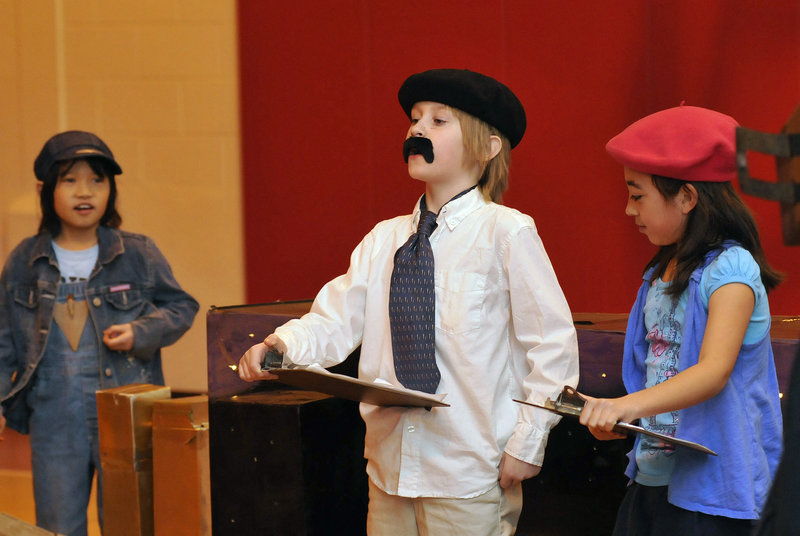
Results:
x,y
664,319
75,265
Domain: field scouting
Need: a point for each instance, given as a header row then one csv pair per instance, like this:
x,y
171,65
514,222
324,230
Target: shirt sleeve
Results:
x,y
737,265
542,324
8,357
174,310
334,326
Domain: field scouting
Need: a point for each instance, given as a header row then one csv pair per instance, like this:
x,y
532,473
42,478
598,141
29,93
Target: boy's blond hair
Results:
x,y
494,173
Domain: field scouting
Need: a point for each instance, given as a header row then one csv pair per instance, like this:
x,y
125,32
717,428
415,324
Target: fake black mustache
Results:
x,y
417,145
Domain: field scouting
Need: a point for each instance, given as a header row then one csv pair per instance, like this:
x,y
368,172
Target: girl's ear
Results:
x,y
495,144
688,198
39,186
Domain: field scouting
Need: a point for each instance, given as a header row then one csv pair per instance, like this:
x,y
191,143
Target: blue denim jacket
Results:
x,y
131,282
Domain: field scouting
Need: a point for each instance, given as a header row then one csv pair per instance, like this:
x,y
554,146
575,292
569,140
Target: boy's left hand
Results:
x,y
514,471
119,337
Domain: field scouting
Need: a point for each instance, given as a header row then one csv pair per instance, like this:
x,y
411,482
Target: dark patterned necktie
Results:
x,y
411,309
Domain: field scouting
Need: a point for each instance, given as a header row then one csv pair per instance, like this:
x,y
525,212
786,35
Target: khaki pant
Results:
x,y
494,513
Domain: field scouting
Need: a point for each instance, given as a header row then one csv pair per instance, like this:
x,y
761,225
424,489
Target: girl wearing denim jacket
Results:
x,y
84,306
698,361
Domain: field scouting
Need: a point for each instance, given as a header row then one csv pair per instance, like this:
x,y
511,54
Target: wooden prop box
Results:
x,y
181,467
283,461
12,526
287,461
155,459
125,416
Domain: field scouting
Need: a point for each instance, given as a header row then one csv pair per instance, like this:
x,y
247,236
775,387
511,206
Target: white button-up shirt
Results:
x,y
503,331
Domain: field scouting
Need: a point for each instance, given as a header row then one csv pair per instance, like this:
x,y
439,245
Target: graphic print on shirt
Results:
x,y
664,338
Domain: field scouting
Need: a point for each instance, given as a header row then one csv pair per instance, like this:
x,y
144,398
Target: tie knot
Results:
x,y
427,223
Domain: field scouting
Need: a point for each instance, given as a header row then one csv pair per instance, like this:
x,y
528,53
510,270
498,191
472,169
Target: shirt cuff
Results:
x,y
295,347
528,443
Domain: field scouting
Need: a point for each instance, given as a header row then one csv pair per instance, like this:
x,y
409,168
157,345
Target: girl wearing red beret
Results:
x,y
701,320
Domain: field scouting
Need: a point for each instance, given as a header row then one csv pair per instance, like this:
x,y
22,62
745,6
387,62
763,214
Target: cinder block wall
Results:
x,y
157,80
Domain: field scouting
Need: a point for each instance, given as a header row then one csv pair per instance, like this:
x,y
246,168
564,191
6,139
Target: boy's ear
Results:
x,y
495,144
688,198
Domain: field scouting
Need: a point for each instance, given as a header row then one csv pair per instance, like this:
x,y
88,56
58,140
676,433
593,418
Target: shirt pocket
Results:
x,y
124,299
125,305
26,312
460,300
27,297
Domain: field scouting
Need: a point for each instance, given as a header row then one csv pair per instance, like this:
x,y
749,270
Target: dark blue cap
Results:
x,y
70,145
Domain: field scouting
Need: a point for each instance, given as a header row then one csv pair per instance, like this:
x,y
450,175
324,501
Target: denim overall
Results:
x,y
63,425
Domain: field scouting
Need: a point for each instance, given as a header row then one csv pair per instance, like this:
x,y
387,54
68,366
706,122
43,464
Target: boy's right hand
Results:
x,y
250,363
2,426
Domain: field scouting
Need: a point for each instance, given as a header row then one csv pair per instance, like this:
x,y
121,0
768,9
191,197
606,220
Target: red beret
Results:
x,y
687,143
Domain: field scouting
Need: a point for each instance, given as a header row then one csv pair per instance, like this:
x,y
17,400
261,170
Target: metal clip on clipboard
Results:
x,y
569,403
272,360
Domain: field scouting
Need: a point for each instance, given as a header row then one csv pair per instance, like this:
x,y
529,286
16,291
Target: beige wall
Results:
x,y
157,80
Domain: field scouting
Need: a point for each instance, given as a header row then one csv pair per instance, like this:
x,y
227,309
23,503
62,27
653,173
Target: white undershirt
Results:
x,y
75,265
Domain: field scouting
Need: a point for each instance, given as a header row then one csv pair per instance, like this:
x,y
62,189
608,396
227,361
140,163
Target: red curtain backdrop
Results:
x,y
322,130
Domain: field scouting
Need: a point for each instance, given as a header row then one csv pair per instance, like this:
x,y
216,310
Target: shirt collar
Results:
x,y
456,210
42,248
110,242
109,245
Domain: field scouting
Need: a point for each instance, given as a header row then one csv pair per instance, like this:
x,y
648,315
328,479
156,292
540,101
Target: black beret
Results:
x,y
477,94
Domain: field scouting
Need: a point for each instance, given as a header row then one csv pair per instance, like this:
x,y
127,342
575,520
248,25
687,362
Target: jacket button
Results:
x,y
97,301
108,372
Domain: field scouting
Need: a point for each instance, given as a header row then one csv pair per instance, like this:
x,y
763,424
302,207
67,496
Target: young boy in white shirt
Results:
x,y
503,329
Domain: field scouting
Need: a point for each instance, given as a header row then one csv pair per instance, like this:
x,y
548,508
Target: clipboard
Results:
x,y
569,403
318,379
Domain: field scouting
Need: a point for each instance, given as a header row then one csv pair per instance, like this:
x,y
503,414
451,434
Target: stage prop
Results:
x,y
11,526
569,403
283,460
182,483
125,416
288,461
317,378
785,147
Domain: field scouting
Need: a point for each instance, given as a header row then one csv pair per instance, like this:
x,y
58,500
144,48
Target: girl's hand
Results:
x,y
2,426
729,311
250,363
119,337
601,414
514,471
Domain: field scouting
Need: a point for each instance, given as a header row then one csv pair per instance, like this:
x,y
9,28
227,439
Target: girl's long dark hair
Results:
x,y
720,215
50,221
